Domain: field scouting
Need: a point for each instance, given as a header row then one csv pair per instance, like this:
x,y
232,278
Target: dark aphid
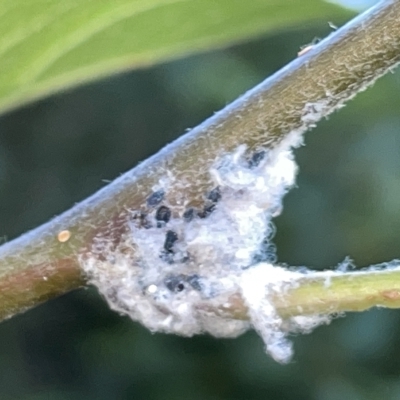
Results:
x,y
170,238
207,211
195,282
256,158
189,214
214,195
155,198
163,214
175,283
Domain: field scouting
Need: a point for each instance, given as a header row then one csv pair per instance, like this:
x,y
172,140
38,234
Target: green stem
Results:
x,y
330,292
324,293
38,266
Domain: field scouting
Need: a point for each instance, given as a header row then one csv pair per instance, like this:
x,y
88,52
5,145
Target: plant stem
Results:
x,y
322,293
334,292
38,266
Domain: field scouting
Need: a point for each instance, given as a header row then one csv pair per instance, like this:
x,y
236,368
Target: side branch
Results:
x,y
330,292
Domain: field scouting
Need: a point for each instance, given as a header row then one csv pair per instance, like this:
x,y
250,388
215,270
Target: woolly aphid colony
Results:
x,y
180,274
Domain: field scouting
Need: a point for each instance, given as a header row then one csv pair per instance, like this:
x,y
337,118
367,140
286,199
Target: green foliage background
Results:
x,y
58,151
47,45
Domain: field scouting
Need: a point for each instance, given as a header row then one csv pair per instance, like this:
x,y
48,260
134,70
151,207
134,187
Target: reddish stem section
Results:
x,y
28,287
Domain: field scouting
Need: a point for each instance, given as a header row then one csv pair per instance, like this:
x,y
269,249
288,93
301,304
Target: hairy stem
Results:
x,y
330,292
321,293
38,265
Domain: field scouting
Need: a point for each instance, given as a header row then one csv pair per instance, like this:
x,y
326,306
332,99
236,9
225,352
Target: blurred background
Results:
x,y
57,152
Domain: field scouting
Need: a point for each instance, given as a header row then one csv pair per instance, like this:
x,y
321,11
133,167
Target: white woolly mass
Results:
x,y
257,285
180,273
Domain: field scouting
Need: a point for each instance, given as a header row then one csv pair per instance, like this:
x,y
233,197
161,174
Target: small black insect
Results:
x,y
214,195
207,210
155,198
163,215
175,283
257,157
170,238
189,214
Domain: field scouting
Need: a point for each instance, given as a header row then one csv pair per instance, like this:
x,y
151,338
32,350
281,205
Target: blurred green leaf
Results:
x,y
48,45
